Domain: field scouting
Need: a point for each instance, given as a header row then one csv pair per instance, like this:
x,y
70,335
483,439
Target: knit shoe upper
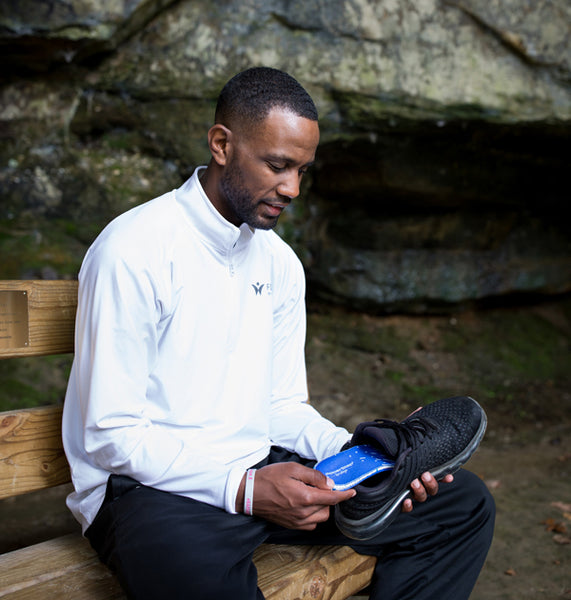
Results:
x,y
438,438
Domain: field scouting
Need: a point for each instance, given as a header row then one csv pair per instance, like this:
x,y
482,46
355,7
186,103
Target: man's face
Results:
x,y
264,170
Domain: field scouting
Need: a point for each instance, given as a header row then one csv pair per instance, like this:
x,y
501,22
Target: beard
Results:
x,y
240,202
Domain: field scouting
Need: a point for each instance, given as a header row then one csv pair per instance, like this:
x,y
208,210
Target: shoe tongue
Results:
x,y
385,439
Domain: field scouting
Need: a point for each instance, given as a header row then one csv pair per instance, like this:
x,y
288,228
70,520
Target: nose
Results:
x,y
289,185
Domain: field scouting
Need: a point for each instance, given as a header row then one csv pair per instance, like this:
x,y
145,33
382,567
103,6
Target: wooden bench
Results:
x,y
37,318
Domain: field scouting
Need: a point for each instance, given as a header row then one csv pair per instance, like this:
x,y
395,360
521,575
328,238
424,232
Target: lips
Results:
x,y
274,208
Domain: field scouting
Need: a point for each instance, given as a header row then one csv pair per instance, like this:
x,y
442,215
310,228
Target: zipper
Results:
x,y
231,268
234,304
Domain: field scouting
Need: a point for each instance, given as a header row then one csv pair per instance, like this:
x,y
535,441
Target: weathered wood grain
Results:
x,y
316,572
66,568
51,317
31,451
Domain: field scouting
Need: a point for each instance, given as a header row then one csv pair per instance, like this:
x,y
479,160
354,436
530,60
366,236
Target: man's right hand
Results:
x,y
292,495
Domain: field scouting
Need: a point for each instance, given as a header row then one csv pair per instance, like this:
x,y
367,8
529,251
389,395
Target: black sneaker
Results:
x,y
438,438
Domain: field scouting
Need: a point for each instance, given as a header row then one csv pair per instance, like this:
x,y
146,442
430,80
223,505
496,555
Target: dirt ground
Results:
x,y
515,361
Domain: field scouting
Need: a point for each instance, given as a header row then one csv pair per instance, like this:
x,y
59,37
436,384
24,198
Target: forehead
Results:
x,y
285,133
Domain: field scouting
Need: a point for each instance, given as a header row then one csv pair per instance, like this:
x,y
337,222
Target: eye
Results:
x,y
276,168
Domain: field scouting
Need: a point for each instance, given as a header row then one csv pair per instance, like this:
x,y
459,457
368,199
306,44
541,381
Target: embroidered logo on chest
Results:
x,y
262,289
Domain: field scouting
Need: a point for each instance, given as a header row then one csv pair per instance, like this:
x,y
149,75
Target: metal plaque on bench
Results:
x,y
13,319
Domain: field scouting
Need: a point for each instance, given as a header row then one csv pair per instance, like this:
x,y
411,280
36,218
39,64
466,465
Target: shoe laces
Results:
x,y
410,434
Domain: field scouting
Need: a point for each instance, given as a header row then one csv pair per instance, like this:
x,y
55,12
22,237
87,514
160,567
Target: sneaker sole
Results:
x,y
371,525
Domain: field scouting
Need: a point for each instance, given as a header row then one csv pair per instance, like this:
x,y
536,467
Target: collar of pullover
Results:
x,y
210,225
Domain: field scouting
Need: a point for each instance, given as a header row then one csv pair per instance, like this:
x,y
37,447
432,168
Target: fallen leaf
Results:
x,y
561,539
493,484
510,572
555,526
562,506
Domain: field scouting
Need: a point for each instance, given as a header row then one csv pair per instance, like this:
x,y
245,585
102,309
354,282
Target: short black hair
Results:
x,y
250,95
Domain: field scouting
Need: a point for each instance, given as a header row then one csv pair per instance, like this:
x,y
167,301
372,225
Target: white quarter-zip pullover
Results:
x,y
189,355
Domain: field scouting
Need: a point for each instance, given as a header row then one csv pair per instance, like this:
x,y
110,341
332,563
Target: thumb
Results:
x,y
317,479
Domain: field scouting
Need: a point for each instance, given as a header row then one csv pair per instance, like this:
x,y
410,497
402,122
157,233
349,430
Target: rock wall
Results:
x,y
441,177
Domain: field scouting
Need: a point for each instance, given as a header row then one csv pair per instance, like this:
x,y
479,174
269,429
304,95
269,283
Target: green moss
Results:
x,y
516,343
16,394
361,333
122,140
33,381
395,376
420,395
27,249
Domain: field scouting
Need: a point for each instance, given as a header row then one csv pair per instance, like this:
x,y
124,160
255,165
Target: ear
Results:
x,y
219,142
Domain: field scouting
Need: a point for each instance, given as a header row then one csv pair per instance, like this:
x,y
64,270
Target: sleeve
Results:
x,y
294,423
116,346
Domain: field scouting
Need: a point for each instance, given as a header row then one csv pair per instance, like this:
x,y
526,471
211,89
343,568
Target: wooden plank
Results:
x,y
31,450
65,568
68,569
51,317
87,582
317,572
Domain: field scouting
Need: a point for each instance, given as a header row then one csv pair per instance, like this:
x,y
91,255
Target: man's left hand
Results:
x,y
426,485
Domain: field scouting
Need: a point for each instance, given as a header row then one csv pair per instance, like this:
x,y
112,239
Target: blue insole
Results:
x,y
350,467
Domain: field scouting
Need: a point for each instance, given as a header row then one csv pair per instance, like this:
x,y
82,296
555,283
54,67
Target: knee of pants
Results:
x,y
488,508
474,488
477,504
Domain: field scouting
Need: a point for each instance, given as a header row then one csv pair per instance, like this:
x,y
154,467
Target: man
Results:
x,y
189,372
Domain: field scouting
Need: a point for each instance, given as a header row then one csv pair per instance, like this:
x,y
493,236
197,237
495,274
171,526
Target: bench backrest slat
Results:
x,y
51,317
31,451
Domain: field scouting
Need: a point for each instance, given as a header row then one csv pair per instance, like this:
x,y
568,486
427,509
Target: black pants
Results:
x,y
166,546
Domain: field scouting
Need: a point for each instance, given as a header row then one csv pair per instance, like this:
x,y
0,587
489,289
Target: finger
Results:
x,y
430,483
345,495
319,515
331,498
418,491
319,491
318,480
307,518
448,478
311,477
414,411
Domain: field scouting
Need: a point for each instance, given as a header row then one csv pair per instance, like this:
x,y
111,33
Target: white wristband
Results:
x,y
249,492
